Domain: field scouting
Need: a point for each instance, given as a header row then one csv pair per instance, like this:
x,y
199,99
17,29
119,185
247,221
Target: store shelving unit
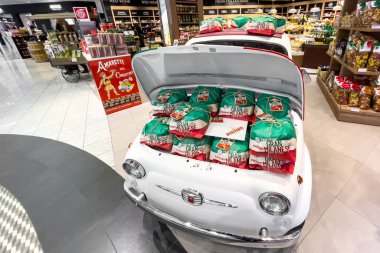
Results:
x,y
346,113
22,45
188,14
343,112
143,17
282,9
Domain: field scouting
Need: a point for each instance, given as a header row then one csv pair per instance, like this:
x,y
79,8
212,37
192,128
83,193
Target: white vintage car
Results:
x,y
249,208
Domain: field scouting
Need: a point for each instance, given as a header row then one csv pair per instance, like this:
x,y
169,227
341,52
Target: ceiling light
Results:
x,y
259,10
55,7
292,10
273,11
1,11
337,7
315,9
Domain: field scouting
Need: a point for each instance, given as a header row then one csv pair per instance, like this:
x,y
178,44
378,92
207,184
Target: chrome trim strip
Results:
x,y
217,203
206,201
222,237
169,190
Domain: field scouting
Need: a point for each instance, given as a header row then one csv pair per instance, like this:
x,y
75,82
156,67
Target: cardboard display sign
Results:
x,y
116,83
228,128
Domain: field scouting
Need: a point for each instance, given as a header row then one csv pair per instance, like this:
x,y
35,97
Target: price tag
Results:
x,y
74,60
354,109
362,70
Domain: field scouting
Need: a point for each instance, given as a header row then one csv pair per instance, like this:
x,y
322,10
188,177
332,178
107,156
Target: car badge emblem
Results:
x,y
192,197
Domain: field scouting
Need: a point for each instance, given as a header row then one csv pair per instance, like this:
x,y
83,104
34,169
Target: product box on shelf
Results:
x,y
98,51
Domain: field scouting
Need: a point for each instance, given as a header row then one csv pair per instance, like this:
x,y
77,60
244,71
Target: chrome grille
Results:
x,y
192,197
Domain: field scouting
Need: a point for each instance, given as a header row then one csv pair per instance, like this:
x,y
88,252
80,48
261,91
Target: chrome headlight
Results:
x,y
134,168
274,203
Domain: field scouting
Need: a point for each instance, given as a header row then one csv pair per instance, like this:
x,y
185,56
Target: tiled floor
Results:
x,y
75,202
344,215
35,100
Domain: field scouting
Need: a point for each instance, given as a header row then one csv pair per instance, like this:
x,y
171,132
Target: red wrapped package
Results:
x,y
270,164
189,120
198,149
230,152
155,134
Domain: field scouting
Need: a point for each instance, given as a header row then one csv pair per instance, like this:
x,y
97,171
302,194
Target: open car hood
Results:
x,y
223,66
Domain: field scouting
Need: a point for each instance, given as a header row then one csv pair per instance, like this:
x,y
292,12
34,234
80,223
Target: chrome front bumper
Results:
x,y
284,241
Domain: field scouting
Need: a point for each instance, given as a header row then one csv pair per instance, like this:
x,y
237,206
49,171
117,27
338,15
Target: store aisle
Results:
x,y
35,100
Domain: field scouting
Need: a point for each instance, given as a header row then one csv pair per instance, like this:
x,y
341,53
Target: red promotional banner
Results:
x,y
116,83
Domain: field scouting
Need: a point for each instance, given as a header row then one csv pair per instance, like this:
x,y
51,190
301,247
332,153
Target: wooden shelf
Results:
x,y
359,29
186,2
335,57
346,113
187,13
354,71
188,23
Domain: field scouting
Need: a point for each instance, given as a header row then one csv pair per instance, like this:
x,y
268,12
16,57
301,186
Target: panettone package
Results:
x,y
280,24
190,120
376,99
198,149
167,100
237,104
365,48
155,134
341,89
373,14
230,152
273,138
374,59
271,164
265,25
353,95
212,25
239,22
276,106
209,96
365,97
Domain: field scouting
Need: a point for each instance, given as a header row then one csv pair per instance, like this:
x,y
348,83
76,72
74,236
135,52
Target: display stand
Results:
x,y
22,45
342,112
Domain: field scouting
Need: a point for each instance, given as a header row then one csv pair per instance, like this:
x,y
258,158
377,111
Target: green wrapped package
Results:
x,y
273,138
237,104
265,25
209,96
167,100
276,106
190,120
212,25
230,152
198,149
239,22
156,134
280,24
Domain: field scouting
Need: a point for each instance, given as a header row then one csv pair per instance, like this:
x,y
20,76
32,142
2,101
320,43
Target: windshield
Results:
x,y
245,43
